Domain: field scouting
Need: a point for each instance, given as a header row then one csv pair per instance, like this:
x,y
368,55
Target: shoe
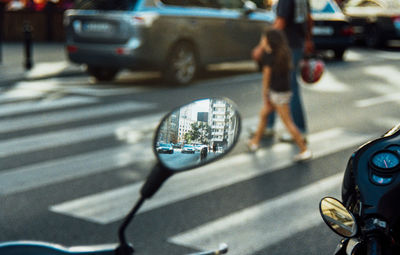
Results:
x,y
252,147
303,156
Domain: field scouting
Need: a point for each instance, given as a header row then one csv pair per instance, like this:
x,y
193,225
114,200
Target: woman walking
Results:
x,y
276,65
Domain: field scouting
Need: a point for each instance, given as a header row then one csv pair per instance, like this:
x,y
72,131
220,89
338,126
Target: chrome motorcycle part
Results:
x,y
337,217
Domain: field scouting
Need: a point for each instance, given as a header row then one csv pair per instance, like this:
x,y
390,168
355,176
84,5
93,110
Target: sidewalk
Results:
x,y
49,60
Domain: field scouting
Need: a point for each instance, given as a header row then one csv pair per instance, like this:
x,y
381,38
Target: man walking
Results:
x,y
294,18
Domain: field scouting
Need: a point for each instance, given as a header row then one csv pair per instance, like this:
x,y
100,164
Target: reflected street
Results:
x,y
179,160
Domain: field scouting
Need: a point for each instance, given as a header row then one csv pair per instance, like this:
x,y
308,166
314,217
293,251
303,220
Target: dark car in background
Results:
x,y
177,37
332,29
375,21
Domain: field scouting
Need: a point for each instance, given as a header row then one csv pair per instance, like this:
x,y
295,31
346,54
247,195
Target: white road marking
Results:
x,y
56,171
60,117
257,227
387,73
31,90
46,69
328,83
145,126
112,205
44,105
385,89
388,98
386,122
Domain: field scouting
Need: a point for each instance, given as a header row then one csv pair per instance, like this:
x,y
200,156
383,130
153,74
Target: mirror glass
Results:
x,y
338,218
197,133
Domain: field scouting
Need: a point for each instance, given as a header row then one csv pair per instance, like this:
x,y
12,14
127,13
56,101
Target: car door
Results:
x,y
242,29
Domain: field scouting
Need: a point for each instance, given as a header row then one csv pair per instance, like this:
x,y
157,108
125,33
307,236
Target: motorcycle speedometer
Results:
x,y
385,161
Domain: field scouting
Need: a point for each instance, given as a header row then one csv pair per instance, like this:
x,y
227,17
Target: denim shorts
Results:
x,y
279,98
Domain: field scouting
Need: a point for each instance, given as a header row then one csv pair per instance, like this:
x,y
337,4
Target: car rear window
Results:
x,y
105,4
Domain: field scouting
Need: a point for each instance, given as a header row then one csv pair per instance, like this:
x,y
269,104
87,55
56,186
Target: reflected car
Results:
x,y
198,147
177,145
375,21
165,148
332,30
187,148
178,38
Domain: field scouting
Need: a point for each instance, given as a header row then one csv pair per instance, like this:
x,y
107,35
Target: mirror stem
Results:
x,y
124,247
157,177
154,181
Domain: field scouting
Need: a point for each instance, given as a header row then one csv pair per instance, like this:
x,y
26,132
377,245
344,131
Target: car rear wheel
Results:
x,y
102,73
182,64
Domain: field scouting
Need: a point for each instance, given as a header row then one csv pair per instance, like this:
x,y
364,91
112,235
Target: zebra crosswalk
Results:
x,y
133,145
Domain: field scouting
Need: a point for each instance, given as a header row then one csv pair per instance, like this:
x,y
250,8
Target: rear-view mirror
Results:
x,y
197,133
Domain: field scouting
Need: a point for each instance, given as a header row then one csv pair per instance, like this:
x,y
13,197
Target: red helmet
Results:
x,y
311,69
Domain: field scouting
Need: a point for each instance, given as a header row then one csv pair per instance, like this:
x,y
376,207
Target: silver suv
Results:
x,y
177,37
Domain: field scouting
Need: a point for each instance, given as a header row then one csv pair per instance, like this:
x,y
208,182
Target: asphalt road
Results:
x,y
74,155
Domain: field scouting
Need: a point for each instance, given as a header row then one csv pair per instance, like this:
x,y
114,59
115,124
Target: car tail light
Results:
x,y
396,22
120,51
72,48
396,19
348,31
137,19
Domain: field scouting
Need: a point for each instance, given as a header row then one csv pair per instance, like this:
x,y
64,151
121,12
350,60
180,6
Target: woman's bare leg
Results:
x,y
284,114
265,111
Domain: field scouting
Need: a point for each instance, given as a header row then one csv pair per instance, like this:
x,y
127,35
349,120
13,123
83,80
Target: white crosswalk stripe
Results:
x,y
76,135
44,105
48,88
56,171
72,115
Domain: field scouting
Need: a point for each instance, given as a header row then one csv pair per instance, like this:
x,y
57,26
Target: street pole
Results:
x,y
28,45
2,10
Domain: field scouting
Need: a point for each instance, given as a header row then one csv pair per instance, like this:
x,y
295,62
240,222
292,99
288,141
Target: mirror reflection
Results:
x,y
338,217
197,133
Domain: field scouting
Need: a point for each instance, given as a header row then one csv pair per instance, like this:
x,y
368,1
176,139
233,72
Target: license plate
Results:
x,y
322,30
97,27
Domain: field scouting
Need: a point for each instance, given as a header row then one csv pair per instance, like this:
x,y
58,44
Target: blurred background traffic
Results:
x,y
181,38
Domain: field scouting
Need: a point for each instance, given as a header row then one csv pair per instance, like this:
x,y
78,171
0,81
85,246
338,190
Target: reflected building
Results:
x,y
223,123
185,122
169,130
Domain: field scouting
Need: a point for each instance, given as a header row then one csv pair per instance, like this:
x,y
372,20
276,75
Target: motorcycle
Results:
x,y
369,216
167,165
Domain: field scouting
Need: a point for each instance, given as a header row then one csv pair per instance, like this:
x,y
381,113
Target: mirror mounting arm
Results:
x,y
157,177
154,181
124,247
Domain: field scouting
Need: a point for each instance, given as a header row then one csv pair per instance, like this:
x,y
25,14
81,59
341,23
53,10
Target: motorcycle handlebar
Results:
x,y
373,246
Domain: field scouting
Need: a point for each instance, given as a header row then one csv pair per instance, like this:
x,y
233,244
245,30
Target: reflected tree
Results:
x,y
200,132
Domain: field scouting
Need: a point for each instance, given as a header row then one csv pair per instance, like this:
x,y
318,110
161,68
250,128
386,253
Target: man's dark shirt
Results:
x,y
295,13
